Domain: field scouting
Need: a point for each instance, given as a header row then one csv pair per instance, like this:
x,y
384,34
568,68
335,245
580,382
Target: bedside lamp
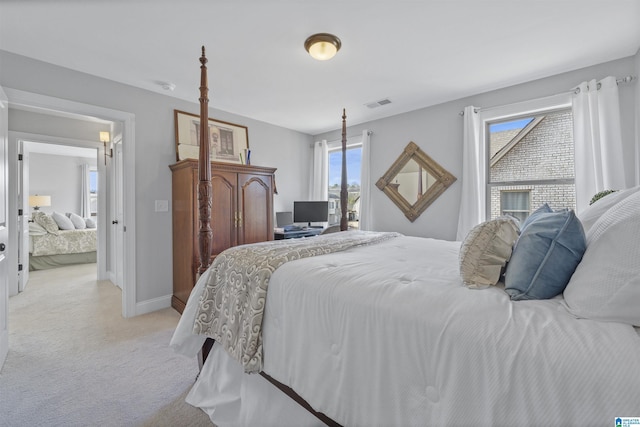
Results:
x,y
37,201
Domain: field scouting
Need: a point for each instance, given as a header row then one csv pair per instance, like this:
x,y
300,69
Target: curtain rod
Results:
x,y
627,79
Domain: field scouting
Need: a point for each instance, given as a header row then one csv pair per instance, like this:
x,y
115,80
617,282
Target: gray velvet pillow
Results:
x,y
486,250
77,220
545,256
63,222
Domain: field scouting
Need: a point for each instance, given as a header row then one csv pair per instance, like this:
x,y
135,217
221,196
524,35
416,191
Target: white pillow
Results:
x,y
486,250
78,222
591,213
90,223
36,229
63,222
606,283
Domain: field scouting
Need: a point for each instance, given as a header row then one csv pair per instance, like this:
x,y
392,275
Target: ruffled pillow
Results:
x,y
486,250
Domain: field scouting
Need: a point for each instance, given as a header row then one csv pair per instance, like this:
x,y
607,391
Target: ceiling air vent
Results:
x,y
379,103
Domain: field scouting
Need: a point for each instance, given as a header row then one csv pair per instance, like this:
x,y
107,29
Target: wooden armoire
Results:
x,y
242,212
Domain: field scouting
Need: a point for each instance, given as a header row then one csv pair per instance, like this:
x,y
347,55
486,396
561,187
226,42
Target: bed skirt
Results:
x,y
231,398
45,262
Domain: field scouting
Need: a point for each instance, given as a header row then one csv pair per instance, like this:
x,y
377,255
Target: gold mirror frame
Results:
x,y
442,179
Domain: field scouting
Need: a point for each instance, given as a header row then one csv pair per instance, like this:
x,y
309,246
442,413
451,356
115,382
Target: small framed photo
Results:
x,y
229,142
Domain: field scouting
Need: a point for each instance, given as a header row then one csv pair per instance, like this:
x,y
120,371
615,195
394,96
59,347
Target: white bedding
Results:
x,y
387,335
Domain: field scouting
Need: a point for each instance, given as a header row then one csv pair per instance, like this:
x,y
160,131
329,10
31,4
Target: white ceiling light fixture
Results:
x,y
322,46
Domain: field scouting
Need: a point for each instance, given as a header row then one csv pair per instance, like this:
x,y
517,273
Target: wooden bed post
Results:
x,y
344,194
205,235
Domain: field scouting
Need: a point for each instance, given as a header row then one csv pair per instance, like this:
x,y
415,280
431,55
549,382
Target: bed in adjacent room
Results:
x,y
363,328
54,242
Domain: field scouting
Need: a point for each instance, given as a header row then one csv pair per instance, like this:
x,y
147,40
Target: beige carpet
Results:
x,y
74,361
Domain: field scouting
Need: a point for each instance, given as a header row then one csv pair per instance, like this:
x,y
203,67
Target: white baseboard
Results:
x,y
154,304
4,347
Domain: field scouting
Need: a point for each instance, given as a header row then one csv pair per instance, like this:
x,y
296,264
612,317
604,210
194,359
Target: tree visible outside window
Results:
x,y
531,162
354,161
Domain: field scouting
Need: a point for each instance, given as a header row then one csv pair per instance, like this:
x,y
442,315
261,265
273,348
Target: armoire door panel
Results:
x,y
223,223
256,207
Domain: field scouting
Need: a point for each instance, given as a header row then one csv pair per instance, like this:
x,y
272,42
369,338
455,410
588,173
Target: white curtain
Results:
x,y
473,199
366,213
598,140
320,183
85,202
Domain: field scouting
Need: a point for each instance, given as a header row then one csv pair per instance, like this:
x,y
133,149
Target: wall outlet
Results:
x,y
162,206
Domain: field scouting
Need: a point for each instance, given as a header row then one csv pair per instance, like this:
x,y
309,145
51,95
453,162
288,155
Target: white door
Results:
x,y
118,261
4,274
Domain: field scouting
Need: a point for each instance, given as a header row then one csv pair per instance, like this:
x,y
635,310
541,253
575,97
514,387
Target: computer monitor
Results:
x,y
284,218
311,211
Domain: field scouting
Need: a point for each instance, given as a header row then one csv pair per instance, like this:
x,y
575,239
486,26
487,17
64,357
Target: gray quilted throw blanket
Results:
x,y
233,301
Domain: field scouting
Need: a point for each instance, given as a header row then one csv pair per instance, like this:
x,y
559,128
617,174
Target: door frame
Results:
x,y
51,105
4,273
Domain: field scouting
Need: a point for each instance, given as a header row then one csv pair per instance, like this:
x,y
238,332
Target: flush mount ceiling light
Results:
x,y
322,46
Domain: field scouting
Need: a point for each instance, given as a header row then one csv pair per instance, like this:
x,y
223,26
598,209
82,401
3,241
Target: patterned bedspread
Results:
x,y
65,242
233,301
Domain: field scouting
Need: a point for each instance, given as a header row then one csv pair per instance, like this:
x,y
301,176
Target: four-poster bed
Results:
x,y
378,329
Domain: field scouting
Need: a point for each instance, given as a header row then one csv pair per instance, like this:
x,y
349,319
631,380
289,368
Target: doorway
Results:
x,y
123,128
62,172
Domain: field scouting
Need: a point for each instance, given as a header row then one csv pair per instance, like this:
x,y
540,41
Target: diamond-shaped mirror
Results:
x,y
414,181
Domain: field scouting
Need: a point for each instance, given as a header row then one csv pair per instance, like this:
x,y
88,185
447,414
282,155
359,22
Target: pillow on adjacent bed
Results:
x,y
545,256
46,222
606,284
77,220
63,222
90,223
36,229
486,250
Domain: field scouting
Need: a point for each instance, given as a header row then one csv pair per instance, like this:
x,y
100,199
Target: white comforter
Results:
x,y
387,335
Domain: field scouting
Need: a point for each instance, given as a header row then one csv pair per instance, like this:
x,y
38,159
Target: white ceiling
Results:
x,y
415,53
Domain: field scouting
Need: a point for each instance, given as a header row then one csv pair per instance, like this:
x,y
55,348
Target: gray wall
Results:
x,y
272,146
59,177
438,131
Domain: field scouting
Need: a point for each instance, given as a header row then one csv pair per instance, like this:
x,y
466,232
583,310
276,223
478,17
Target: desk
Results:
x,y
308,232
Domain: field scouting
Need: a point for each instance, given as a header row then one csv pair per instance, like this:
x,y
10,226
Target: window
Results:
x,y
354,161
93,192
530,162
516,204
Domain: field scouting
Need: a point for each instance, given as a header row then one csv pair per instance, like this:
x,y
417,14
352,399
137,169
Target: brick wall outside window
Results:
x,y
546,152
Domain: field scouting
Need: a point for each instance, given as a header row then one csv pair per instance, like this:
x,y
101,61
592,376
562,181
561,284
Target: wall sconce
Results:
x,y
37,201
322,46
104,138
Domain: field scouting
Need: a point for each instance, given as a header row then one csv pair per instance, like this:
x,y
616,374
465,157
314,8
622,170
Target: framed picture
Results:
x,y
229,143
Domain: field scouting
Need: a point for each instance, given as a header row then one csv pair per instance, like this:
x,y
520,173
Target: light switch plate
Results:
x,y
162,206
